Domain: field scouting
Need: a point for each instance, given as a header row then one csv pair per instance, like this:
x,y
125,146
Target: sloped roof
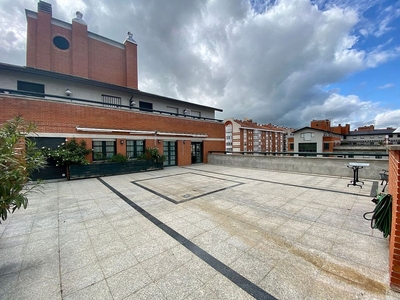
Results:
x,y
255,125
315,129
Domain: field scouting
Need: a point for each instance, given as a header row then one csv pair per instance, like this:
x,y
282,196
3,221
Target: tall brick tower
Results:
x,y
71,49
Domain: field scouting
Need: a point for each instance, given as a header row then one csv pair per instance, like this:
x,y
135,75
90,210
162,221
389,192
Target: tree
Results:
x,y
18,159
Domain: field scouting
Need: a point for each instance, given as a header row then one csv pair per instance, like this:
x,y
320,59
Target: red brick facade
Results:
x,y
394,190
108,62
325,125
62,119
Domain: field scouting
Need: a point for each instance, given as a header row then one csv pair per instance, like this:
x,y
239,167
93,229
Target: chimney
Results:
x,y
43,36
131,62
45,7
80,47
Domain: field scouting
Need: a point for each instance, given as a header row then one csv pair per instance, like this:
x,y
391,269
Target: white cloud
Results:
x,y
340,110
270,65
388,119
386,86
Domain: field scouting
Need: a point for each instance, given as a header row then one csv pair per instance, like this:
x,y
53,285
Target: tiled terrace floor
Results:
x,y
201,232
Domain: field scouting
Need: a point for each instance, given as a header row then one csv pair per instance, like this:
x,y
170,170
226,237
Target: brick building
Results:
x,y
80,85
249,136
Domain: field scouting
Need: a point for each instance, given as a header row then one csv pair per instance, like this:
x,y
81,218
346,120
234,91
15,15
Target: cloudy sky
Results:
x,y
284,62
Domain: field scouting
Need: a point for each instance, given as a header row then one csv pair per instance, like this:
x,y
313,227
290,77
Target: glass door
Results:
x,y
197,152
170,153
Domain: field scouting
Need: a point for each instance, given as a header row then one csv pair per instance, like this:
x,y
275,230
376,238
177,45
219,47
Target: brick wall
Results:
x,y
86,57
106,63
64,117
61,60
394,190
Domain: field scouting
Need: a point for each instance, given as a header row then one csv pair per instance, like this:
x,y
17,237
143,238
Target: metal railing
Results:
x,y
103,104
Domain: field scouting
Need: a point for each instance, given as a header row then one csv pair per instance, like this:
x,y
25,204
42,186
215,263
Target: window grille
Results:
x,y
111,100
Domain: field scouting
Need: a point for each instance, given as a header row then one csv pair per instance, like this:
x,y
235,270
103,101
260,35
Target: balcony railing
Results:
x,y
100,103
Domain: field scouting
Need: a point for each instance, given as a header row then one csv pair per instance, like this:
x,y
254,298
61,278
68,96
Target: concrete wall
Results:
x,y
311,165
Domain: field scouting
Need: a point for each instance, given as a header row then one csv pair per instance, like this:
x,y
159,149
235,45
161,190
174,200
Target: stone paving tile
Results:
x,y
119,262
298,235
127,282
225,289
98,290
179,283
81,278
149,292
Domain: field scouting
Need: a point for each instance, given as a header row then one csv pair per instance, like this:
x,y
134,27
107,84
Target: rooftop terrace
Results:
x,y
200,232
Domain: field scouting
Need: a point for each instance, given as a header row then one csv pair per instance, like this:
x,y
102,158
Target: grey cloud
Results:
x,y
269,66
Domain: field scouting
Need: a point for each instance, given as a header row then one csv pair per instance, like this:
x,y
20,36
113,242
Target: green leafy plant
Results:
x,y
18,159
119,158
69,153
153,155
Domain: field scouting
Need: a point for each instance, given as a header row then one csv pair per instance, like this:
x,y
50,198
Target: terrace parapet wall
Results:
x,y
394,190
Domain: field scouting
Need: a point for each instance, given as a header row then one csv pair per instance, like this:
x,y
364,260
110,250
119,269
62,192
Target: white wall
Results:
x,y
53,86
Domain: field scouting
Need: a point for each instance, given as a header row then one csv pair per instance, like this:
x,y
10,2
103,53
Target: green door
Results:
x,y
170,153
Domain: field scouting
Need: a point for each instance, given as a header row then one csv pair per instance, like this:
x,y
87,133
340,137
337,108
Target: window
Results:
x,y
307,147
36,88
172,109
61,42
111,100
103,149
326,146
291,146
146,106
307,136
134,148
196,113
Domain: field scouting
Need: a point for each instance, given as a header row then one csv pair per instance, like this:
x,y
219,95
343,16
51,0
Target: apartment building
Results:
x,y
322,137
250,136
369,136
78,84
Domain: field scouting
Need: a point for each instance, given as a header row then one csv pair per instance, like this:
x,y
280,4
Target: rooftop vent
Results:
x,y
45,7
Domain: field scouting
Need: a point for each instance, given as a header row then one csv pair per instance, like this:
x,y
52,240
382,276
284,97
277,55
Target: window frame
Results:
x,y
143,104
136,152
105,153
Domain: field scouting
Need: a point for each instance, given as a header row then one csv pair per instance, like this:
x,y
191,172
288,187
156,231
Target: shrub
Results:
x,y
69,153
119,158
153,155
18,159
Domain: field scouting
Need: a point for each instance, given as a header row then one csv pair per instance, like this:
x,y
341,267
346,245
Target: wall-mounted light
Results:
x,y
184,141
68,92
121,142
159,141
